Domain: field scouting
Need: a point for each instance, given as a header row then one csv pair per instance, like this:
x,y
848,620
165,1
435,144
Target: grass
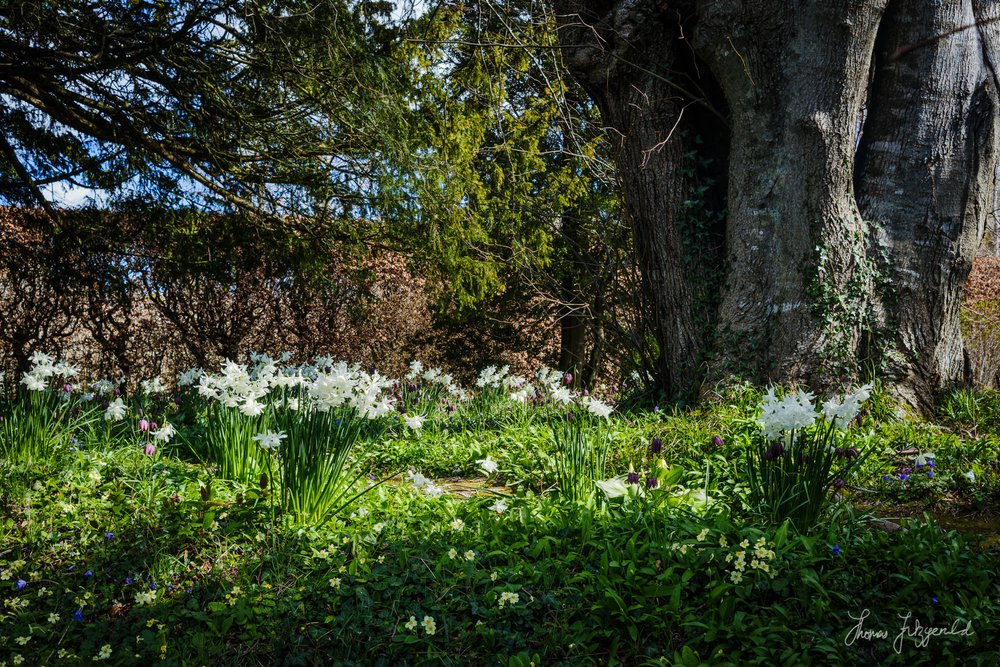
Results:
x,y
166,562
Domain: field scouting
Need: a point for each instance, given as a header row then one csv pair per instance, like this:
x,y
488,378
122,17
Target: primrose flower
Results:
x,y
489,466
53,618
105,652
508,598
145,597
411,624
736,576
470,555
457,525
430,627
703,534
452,553
270,440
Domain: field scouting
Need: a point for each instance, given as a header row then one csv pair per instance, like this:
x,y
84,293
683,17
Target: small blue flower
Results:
x,y
930,464
128,580
152,585
836,550
78,615
903,477
21,583
886,478
88,574
931,474
934,600
109,536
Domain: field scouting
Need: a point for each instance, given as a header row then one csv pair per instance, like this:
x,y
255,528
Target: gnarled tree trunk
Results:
x,y
839,261
628,58
925,178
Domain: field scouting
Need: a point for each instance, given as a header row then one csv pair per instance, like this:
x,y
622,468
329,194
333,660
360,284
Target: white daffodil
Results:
x,y
779,416
971,476
33,382
164,433
500,506
488,465
116,410
269,440
598,408
415,422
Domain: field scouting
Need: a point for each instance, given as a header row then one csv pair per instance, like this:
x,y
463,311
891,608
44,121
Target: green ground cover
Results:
x,y
123,543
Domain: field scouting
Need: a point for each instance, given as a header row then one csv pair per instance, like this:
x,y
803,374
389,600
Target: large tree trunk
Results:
x,y
794,75
820,288
620,54
926,178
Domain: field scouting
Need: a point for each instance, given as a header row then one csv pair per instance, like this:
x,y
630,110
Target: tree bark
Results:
x,y
626,56
841,261
926,178
794,75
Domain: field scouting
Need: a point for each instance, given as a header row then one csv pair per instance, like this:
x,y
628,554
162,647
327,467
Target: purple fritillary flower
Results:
x,y
838,483
143,424
652,482
633,478
656,446
568,379
718,441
